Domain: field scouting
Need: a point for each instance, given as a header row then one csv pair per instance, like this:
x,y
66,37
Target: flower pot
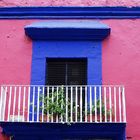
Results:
x,y
45,117
93,118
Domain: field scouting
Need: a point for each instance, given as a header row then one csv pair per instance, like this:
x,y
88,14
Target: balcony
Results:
x,y
62,104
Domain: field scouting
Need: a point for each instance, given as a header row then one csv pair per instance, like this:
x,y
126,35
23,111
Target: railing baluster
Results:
x,y
90,103
115,107
1,96
110,104
28,104
120,108
24,104
71,104
76,102
57,103
66,104
19,96
33,105
86,104
81,104
124,105
4,103
52,119
9,106
38,103
105,104
48,95
43,103
100,96
14,104
95,103
62,88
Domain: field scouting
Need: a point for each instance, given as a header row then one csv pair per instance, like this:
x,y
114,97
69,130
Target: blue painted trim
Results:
x,y
58,131
92,50
67,30
69,12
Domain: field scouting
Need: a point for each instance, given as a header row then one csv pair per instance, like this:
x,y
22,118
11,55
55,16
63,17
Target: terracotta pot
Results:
x,y
93,118
45,117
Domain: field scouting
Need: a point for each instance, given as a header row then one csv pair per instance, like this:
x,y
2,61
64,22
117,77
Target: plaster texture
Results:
x,y
70,3
120,61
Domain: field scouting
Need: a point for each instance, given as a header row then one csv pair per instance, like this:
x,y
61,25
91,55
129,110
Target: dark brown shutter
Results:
x,y
66,72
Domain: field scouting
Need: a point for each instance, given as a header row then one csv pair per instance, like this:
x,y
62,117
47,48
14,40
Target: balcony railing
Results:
x,y
62,104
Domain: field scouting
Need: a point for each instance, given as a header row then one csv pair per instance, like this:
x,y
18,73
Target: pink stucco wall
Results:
x,y
15,53
69,2
120,61
121,65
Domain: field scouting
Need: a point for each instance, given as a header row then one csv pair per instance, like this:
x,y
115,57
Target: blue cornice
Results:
x,y
67,30
69,12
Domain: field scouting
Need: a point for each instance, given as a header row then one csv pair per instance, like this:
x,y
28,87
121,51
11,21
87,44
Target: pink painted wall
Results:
x,y
121,65
69,2
15,53
120,61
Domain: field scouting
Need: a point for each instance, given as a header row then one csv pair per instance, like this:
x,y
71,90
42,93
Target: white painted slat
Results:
x,y
14,103
120,107
48,95
19,99
86,104
100,98
90,90
52,102
9,104
57,103
62,88
28,104
105,104
81,104
33,105
115,108
24,104
124,105
110,104
71,101
43,103
95,102
66,104
4,102
1,96
38,103
76,102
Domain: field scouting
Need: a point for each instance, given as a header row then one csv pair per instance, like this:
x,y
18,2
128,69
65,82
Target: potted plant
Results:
x,y
54,105
98,109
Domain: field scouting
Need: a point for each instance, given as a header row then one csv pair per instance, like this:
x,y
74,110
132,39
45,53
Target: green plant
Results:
x,y
100,108
55,103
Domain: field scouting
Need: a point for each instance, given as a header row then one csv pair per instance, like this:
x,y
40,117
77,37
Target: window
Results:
x,y
66,71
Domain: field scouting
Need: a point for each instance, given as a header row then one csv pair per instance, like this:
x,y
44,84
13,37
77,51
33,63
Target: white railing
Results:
x,y
62,104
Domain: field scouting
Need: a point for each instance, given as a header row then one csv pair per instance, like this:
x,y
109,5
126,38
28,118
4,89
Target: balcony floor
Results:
x,y
59,131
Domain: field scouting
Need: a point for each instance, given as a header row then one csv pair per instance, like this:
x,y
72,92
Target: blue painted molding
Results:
x,y
58,131
67,30
92,50
69,12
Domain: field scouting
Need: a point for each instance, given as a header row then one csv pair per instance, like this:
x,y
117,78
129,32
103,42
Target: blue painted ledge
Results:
x,y
58,131
67,30
69,12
